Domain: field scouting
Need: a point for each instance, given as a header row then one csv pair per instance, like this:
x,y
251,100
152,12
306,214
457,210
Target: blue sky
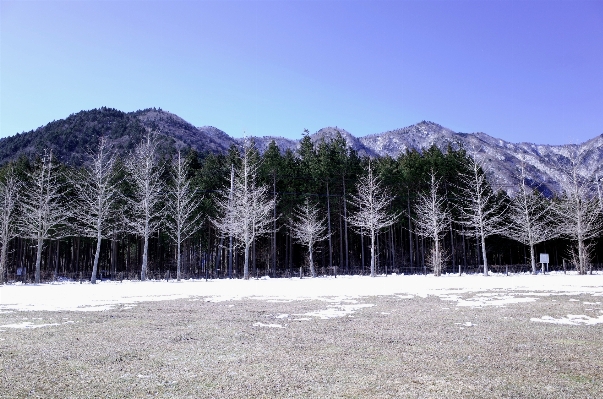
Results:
x,y
517,70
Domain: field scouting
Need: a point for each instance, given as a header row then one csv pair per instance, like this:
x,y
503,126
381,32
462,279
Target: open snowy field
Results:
x,y
492,290
385,337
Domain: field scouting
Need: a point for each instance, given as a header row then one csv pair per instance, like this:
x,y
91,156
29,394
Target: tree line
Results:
x,y
319,210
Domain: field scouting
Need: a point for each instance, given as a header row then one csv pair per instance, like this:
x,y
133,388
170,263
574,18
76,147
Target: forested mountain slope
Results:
x,y
70,139
545,164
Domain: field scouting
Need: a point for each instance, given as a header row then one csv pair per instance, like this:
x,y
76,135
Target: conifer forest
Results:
x,y
320,210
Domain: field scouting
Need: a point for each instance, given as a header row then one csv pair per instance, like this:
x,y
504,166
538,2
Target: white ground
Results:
x,y
343,293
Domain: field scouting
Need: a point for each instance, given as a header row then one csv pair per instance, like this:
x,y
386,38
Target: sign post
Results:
x,y
544,259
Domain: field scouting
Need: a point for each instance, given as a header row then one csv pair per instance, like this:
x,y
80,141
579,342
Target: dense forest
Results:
x,y
320,211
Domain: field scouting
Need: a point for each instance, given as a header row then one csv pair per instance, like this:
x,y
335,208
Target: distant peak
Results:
x,y
428,123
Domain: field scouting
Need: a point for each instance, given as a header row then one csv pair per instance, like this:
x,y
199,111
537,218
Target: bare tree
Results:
x,y
530,218
97,191
145,211
245,211
480,212
9,198
579,213
308,228
182,208
226,220
371,209
432,220
42,211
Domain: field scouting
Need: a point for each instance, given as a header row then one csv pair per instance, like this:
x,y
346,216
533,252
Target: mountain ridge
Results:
x,y
71,137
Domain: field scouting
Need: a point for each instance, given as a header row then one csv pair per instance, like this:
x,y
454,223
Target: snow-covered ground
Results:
x,y
467,290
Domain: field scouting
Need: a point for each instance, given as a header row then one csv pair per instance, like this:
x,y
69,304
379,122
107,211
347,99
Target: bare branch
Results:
x,y
579,213
182,214
145,211
245,211
9,200
531,218
97,192
308,228
371,209
432,220
43,215
480,212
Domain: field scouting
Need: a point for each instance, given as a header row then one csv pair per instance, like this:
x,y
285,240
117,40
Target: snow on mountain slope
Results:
x,y
207,138
544,164
327,134
416,137
70,138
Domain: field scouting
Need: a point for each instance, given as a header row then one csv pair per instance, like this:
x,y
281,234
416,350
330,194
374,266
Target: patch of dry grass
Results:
x,y
417,348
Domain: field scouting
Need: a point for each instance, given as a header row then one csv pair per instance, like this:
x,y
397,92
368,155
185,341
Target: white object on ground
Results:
x,y
258,324
571,319
493,290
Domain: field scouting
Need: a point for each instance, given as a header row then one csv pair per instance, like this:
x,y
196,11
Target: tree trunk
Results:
x,y
340,263
372,253
56,260
581,255
312,270
345,230
38,259
464,253
418,253
129,258
452,250
290,260
178,260
219,256
287,238
96,256
48,264
362,250
485,258
114,256
533,258
423,256
3,258
255,269
145,252
402,254
437,258
246,263
392,241
410,240
230,257
377,253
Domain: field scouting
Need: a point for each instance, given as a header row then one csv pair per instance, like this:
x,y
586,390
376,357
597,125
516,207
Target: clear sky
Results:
x,y
518,70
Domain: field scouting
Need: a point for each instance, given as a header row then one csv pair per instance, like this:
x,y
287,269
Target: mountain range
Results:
x,y
70,139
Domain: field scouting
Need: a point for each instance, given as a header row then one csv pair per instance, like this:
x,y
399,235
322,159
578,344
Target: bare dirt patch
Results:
x,y
400,347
